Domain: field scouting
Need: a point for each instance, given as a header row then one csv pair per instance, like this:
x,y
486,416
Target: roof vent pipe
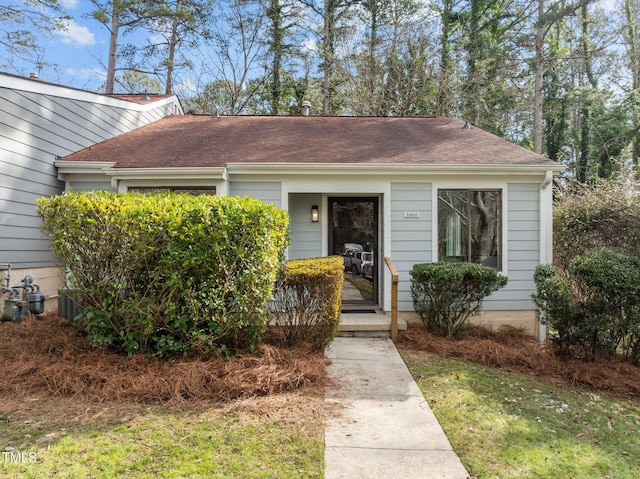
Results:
x,y
33,75
305,107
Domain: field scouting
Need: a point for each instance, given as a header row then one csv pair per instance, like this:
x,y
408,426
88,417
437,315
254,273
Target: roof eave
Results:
x,y
45,88
220,172
392,169
81,167
107,168
176,173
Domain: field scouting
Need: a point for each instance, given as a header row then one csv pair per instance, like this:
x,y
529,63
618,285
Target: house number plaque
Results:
x,y
412,214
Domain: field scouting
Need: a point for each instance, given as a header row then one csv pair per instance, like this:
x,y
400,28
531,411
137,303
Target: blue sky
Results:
x,y
77,56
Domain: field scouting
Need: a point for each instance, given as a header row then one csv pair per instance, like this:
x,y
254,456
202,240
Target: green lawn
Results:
x,y
155,442
502,425
506,425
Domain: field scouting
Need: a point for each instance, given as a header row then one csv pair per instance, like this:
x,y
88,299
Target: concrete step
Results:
x,y
367,325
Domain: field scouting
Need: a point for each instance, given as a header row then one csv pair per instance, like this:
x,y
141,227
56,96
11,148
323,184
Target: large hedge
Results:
x,y
445,295
588,297
307,303
168,273
591,216
593,307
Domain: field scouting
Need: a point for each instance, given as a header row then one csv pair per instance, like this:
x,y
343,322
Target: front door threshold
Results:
x,y
368,325
360,310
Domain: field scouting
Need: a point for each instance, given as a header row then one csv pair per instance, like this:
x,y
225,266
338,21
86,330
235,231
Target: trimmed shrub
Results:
x,y
167,273
595,307
559,306
609,279
307,301
445,295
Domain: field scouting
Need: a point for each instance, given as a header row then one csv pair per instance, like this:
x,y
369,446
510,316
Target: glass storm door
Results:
x,y
353,234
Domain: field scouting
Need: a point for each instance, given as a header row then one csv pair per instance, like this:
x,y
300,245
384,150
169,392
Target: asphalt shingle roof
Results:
x,y
205,141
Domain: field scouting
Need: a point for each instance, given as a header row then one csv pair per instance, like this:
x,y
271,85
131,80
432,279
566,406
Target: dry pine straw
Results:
x,y
511,349
43,357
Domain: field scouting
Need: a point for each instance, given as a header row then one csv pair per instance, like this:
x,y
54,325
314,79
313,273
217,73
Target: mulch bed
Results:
x,y
513,350
43,356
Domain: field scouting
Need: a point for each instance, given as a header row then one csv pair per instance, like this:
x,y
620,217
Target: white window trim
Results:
x,y
472,185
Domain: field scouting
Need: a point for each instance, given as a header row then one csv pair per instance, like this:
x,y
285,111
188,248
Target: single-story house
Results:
x,y
40,122
413,190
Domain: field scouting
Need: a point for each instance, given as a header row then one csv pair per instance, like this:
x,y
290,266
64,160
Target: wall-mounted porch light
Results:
x,y
315,215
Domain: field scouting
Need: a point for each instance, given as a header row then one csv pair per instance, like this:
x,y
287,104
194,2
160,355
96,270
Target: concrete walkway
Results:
x,y
383,427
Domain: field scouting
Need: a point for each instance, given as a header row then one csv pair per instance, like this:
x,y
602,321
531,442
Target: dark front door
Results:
x,y
353,234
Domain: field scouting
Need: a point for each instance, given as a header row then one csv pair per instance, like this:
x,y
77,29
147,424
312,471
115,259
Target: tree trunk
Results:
x,y
634,60
443,108
113,51
172,49
539,73
277,44
585,159
327,55
373,105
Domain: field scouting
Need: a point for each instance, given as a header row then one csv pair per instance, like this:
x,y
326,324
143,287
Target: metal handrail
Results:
x,y
394,298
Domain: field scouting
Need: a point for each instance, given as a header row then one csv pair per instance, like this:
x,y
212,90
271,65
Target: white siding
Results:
x,y
35,127
306,236
410,238
523,246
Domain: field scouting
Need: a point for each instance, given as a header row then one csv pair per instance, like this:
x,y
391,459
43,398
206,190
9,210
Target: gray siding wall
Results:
x,y
523,246
267,191
410,238
306,237
34,129
411,241
80,186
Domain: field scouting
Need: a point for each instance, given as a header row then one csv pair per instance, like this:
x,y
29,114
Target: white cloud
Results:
x,y
609,5
75,35
187,87
85,72
309,45
69,3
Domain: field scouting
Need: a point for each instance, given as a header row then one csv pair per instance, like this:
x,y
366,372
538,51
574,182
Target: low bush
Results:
x,y
167,273
559,306
307,301
594,308
445,295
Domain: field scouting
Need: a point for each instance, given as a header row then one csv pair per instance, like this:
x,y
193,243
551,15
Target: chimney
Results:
x,y
305,107
33,75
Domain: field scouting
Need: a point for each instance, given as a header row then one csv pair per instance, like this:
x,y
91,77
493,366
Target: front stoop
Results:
x,y
367,325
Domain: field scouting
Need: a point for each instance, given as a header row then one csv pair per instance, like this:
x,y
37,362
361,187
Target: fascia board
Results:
x,y
44,88
108,169
82,167
216,173
395,169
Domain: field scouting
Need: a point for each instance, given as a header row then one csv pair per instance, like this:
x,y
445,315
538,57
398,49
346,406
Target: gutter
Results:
x,y
395,169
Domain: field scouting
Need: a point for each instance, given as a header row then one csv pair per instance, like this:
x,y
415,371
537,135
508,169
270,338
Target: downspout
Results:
x,y
546,234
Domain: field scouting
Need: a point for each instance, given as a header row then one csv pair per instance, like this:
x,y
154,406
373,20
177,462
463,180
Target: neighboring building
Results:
x,y
40,122
412,189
